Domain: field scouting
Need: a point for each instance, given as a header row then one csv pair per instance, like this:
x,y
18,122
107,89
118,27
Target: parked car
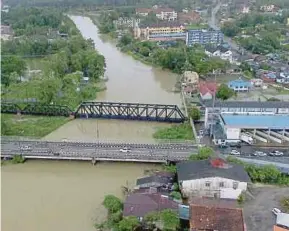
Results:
x,y
201,132
276,211
124,150
259,153
276,153
236,145
235,152
25,148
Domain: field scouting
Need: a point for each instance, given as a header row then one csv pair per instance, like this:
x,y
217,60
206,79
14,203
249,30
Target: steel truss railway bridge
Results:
x,y
155,153
106,110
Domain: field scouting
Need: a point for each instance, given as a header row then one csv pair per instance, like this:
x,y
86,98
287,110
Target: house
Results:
x,y
207,90
239,85
191,77
189,91
277,228
204,37
245,9
6,32
155,181
212,178
283,77
166,14
143,11
269,77
126,22
189,17
138,204
212,218
267,8
219,51
256,82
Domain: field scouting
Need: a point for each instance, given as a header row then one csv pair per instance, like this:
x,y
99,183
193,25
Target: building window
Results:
x,y
208,184
235,185
221,184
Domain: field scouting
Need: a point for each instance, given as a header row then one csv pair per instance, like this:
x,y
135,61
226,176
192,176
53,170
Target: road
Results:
x,y
75,150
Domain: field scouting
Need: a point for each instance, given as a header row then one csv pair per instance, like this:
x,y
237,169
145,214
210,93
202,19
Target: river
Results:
x,y
52,195
129,81
65,195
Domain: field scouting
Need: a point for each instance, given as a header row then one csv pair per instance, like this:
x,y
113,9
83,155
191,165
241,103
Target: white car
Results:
x,y
235,152
259,153
276,153
276,211
124,150
25,148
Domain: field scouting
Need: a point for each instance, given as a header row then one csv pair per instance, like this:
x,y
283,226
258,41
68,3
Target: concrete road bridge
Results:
x,y
155,153
105,110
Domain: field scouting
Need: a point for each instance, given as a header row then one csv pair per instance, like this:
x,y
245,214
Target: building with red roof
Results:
x,y
207,90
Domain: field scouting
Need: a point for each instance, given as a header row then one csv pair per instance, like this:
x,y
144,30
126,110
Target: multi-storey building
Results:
x,y
160,32
204,37
166,14
126,22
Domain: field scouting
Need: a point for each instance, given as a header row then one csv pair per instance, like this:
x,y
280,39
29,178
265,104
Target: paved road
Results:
x,y
96,150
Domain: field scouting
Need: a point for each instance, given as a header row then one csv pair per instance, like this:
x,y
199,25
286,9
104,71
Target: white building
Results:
x,y
166,14
219,51
212,178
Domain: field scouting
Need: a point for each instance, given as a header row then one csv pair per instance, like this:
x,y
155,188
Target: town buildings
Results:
x,y
239,85
126,22
212,178
189,17
204,37
163,31
220,51
207,90
161,13
6,32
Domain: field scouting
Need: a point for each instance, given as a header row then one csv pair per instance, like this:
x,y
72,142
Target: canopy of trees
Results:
x,y
224,92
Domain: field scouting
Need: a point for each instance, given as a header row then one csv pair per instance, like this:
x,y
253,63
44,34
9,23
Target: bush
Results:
x,y
176,195
18,159
203,154
176,132
112,204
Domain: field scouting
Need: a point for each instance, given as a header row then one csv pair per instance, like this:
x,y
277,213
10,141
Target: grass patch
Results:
x,y
176,132
31,126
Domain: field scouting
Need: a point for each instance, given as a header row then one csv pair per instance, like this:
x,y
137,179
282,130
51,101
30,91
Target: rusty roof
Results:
x,y
216,218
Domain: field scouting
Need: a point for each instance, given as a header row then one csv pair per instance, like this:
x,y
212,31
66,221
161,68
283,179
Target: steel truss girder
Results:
x,y
131,111
46,109
10,108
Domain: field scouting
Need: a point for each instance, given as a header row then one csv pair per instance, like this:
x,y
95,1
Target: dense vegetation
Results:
x,y
267,174
177,58
116,221
66,59
263,31
175,132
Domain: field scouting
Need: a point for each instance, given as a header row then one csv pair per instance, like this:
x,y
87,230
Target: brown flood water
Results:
x,y
51,195
129,81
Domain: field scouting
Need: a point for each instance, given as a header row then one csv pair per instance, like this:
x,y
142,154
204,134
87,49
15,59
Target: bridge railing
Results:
x,y
92,140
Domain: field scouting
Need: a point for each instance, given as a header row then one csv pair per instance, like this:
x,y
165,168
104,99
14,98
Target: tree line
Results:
x,y
66,61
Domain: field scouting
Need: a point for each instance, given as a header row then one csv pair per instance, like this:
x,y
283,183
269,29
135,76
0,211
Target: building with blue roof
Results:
x,y
240,85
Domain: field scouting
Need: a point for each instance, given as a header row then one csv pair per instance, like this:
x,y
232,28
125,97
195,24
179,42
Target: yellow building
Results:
x,y
162,29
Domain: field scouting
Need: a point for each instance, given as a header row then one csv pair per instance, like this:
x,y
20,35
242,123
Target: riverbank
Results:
x,y
30,126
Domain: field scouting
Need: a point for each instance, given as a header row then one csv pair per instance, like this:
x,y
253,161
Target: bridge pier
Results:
x,y
93,161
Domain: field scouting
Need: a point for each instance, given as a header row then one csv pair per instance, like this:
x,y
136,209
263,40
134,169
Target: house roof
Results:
x,y
143,10
207,87
212,48
190,170
153,179
283,219
247,104
277,228
216,218
217,202
239,82
160,10
140,204
161,24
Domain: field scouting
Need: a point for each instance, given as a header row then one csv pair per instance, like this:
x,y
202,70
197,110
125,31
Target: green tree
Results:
x,y
10,65
128,224
224,92
112,204
126,39
203,154
195,113
151,219
176,195
169,219
48,90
